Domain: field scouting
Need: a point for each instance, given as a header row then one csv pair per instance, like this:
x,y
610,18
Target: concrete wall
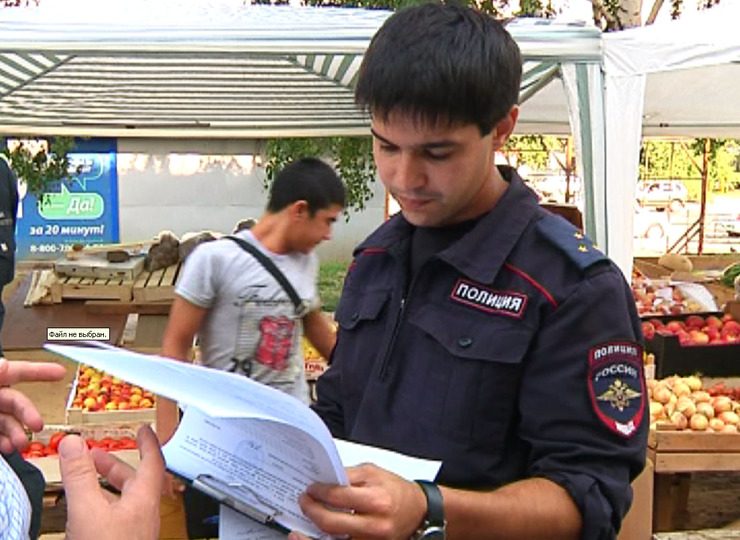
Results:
x,y
192,185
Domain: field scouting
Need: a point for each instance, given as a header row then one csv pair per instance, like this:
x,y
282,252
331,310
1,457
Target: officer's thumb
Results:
x,y
79,476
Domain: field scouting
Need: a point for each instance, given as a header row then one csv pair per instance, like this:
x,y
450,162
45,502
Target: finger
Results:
x,y
16,406
21,371
152,461
333,521
8,447
79,476
361,475
297,536
112,468
172,486
12,434
339,497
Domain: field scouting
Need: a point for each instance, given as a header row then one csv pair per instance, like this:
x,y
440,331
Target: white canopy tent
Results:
x,y
218,69
679,78
213,69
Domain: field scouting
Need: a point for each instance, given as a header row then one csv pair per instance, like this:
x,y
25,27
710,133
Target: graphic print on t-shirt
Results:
x,y
275,344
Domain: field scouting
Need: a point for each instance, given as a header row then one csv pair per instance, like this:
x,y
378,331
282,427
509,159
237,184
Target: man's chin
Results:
x,y
421,219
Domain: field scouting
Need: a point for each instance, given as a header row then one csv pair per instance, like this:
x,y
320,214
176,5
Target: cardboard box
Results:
x,y
638,523
672,358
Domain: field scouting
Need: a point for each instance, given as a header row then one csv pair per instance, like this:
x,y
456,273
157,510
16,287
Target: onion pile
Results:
x,y
684,403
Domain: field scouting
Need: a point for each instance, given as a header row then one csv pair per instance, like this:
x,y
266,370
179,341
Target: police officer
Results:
x,y
475,327
8,213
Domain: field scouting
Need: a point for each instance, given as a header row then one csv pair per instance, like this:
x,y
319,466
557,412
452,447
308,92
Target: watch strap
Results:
x,y
435,503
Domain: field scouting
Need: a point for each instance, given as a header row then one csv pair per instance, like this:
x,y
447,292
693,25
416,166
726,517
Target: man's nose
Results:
x,y
409,173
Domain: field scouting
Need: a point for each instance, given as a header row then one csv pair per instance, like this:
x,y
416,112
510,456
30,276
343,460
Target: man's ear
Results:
x,y
505,127
299,209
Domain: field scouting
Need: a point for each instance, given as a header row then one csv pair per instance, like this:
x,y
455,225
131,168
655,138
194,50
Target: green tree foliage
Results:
x,y
40,164
352,157
681,160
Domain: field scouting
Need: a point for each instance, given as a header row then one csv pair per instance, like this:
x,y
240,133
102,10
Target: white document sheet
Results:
x,y
263,445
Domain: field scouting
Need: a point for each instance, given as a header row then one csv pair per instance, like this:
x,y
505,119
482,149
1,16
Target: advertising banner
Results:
x,y
82,209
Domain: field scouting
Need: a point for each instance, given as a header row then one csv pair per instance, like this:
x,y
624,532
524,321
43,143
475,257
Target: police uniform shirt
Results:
x,y
513,353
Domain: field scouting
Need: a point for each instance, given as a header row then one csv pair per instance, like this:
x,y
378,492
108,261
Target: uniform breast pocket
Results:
x,y
360,315
473,372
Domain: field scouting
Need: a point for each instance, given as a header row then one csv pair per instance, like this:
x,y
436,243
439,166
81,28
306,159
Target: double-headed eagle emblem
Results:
x,y
619,395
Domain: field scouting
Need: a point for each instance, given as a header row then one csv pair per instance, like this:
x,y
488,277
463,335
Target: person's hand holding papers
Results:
x,y
95,514
381,504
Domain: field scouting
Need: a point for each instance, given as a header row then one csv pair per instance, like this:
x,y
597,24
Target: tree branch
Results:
x,y
657,4
601,12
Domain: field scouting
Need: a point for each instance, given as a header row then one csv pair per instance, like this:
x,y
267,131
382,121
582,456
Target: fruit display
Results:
x,y
37,449
695,329
662,297
314,363
96,391
682,403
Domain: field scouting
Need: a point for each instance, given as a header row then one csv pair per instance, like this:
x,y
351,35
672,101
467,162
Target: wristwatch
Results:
x,y
434,525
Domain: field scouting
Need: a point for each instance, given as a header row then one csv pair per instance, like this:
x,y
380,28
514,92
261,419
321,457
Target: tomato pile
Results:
x,y
38,449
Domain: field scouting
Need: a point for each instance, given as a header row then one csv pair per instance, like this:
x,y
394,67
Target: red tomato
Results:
x,y
107,443
35,446
55,439
127,443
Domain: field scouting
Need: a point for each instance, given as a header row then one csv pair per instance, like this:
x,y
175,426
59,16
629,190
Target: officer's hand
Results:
x,y
16,410
376,504
95,514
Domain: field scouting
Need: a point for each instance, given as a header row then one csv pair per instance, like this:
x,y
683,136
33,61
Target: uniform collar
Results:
x,y
495,235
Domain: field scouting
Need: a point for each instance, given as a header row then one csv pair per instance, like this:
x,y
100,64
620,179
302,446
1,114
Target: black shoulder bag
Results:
x,y
301,307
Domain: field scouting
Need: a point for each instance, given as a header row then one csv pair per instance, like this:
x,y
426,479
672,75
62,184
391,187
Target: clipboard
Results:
x,y
237,496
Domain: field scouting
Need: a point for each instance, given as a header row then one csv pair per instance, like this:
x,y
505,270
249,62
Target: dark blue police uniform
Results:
x,y
513,353
8,213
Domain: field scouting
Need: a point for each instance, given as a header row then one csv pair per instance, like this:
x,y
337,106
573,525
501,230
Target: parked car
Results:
x,y
729,224
662,194
649,224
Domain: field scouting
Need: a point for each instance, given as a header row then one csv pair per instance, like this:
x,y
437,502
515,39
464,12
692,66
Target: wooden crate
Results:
x,y
92,289
692,451
156,286
679,454
131,417
98,267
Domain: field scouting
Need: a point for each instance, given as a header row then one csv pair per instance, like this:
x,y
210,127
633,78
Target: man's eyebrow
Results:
x,y
430,145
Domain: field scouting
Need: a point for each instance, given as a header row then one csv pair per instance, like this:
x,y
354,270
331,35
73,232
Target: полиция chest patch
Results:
x,y
509,303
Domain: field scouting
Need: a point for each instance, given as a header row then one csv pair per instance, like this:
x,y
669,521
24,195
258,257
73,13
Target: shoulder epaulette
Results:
x,y
576,245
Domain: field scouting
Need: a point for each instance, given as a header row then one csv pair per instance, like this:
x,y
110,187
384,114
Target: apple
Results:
x,y
699,337
712,332
731,327
146,403
675,326
90,403
648,330
123,406
657,323
712,320
694,321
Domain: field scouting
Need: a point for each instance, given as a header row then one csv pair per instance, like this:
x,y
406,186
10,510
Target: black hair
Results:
x,y
441,62
306,179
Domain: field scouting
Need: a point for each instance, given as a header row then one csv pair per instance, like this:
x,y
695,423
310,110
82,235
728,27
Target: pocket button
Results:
x,y
465,342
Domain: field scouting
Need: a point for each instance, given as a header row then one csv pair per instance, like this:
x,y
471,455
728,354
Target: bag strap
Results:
x,y
301,309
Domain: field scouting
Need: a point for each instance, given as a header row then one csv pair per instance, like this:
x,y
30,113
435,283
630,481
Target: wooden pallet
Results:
x,y
156,286
91,289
